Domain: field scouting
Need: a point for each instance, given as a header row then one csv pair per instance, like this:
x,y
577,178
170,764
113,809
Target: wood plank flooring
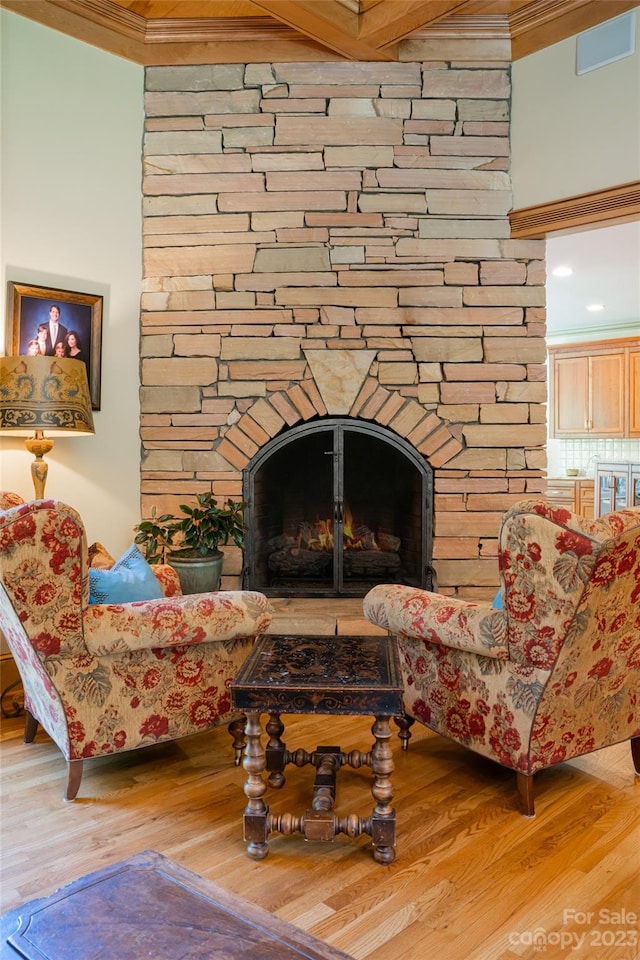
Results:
x,y
473,879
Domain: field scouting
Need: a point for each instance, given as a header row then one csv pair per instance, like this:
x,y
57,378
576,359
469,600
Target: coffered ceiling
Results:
x,y
155,32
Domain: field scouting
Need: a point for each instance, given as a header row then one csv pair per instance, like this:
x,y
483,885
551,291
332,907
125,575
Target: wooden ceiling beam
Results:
x,y
387,23
328,23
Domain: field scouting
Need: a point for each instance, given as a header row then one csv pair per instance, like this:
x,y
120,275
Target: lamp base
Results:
x,y
38,446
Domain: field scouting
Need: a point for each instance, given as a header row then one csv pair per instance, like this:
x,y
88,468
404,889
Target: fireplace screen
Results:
x,y
336,506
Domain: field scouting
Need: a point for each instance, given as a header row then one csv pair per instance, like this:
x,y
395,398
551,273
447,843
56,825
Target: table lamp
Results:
x,y
41,395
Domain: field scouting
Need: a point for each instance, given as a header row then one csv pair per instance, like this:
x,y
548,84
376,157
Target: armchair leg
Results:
x,y
635,754
236,730
74,776
404,723
525,794
30,727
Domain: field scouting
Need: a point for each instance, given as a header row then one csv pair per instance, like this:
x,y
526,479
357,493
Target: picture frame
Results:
x,y
31,307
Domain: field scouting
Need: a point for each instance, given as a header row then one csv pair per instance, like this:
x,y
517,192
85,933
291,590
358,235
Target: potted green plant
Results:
x,y
190,543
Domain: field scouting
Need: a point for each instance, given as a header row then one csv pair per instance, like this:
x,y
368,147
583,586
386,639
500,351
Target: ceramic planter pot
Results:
x,y
197,574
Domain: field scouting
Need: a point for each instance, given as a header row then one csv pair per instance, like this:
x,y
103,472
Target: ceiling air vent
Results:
x,y
611,41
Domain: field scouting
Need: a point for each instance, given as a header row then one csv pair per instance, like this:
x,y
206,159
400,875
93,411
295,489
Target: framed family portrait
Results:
x,y
56,323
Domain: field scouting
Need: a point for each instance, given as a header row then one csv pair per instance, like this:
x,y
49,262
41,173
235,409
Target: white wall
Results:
x,y
72,120
573,134
570,135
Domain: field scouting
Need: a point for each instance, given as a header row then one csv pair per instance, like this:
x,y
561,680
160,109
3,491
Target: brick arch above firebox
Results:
x,y
303,401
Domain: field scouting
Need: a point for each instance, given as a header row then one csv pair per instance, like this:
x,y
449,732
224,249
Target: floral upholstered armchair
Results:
x,y
553,675
104,678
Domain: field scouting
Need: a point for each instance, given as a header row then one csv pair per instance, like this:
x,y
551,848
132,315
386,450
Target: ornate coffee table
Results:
x,y
318,675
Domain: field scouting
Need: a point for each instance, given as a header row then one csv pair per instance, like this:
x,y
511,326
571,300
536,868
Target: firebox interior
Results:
x,y
336,506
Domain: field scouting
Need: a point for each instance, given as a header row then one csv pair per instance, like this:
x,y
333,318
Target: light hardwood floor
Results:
x,y
473,879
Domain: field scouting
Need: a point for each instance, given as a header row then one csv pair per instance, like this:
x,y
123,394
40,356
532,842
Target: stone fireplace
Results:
x,y
329,278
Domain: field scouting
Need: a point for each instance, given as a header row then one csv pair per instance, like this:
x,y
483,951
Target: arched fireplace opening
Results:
x,y
335,506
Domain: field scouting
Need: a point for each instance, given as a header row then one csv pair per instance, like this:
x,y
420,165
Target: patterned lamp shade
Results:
x,y
44,394
47,394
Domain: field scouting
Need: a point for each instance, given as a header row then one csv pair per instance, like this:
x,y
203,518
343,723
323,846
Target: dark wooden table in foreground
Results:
x,y
330,675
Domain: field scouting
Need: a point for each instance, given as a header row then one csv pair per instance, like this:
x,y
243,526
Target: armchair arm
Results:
x,y
175,621
168,579
416,613
9,499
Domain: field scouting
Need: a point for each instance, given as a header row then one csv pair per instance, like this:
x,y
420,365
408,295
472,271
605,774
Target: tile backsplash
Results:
x,y
583,454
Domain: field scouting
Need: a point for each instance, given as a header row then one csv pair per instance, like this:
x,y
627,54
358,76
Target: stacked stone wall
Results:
x,y
333,238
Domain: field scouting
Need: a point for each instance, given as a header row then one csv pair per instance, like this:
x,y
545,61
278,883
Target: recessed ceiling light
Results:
x,y
595,307
562,271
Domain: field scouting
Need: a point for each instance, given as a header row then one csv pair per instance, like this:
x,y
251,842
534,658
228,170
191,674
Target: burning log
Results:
x,y
300,563
310,552
387,541
362,538
316,536
370,563
281,541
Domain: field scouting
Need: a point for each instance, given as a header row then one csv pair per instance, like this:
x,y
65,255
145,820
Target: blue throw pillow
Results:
x,y
497,600
130,578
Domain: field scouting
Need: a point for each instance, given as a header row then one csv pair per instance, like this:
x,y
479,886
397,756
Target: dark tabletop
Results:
x,y
320,674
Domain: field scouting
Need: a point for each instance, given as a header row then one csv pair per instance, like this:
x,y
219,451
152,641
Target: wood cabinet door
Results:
x,y
594,389
585,496
607,383
562,493
571,401
634,393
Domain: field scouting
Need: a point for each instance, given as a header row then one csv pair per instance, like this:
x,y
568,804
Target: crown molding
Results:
x,y
107,14
204,30
466,28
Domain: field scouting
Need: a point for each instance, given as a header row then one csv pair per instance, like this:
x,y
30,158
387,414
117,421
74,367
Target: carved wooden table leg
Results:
x,y
256,827
383,817
320,822
404,724
275,752
236,731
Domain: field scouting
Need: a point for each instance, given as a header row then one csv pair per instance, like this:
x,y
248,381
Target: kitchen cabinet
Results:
x,y
634,392
585,504
594,389
617,486
573,493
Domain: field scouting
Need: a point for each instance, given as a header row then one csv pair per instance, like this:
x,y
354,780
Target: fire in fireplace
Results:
x,y
335,506
311,549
